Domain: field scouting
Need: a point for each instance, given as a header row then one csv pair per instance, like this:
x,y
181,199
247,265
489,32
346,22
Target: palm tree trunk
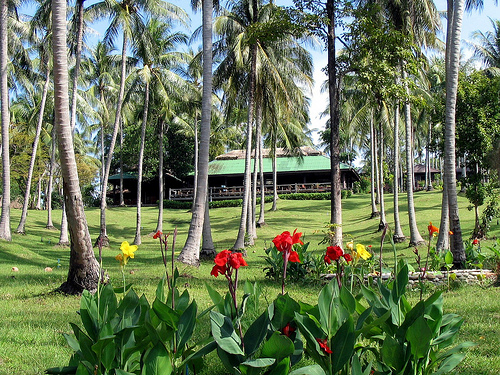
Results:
x,y
376,155
161,185
240,239
207,244
334,104
428,174
103,236
122,201
373,171
83,267
383,221
79,42
443,241
190,253
63,234
5,231
38,205
50,185
196,155
24,213
137,239
261,222
415,237
398,235
455,15
275,178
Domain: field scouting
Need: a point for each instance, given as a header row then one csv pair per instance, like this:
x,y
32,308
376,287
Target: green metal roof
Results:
x,y
283,164
126,176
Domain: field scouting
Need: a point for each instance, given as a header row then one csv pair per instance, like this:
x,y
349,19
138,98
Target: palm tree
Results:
x,y
154,48
487,48
125,15
190,253
83,270
5,231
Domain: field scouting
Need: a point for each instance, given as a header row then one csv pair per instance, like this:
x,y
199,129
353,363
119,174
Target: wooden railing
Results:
x,y
236,192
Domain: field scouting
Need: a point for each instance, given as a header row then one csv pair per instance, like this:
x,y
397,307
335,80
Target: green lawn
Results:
x,y
33,318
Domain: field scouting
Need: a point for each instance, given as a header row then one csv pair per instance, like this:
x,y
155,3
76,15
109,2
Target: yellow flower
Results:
x,y
350,245
128,250
119,258
361,250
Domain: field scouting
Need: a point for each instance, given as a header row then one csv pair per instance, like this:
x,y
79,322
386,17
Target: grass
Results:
x,y
34,318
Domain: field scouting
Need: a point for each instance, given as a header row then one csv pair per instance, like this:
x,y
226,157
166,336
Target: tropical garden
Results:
x,y
295,284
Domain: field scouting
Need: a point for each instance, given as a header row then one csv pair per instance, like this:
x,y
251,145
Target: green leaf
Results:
x,y
309,370
449,363
107,303
61,370
281,368
284,310
123,372
342,345
448,258
216,298
256,333
157,361
187,322
419,335
393,354
224,334
348,299
166,314
259,362
278,346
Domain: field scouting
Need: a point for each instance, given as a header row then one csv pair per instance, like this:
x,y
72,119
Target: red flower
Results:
x,y
294,257
236,260
432,229
157,235
222,258
327,260
296,237
347,257
334,252
323,344
288,330
218,270
475,242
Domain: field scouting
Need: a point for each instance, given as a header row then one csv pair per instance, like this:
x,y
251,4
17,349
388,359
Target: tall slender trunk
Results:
x,y
240,239
455,15
78,57
428,174
373,170
50,185
376,155
103,236
63,234
24,213
261,222
137,239
196,155
5,231
398,235
383,221
122,201
275,178
83,267
38,205
207,243
190,253
161,184
334,104
443,241
415,237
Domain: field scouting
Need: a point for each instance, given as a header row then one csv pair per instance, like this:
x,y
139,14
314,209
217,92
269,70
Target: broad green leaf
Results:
x,y
342,345
348,300
448,258
61,370
400,285
419,335
187,322
166,314
309,370
281,368
123,372
107,303
284,310
259,362
224,334
393,354
255,334
157,361
278,346
449,363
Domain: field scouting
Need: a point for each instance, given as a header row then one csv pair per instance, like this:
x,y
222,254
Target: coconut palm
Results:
x,y
190,253
5,231
154,48
487,48
126,15
83,269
